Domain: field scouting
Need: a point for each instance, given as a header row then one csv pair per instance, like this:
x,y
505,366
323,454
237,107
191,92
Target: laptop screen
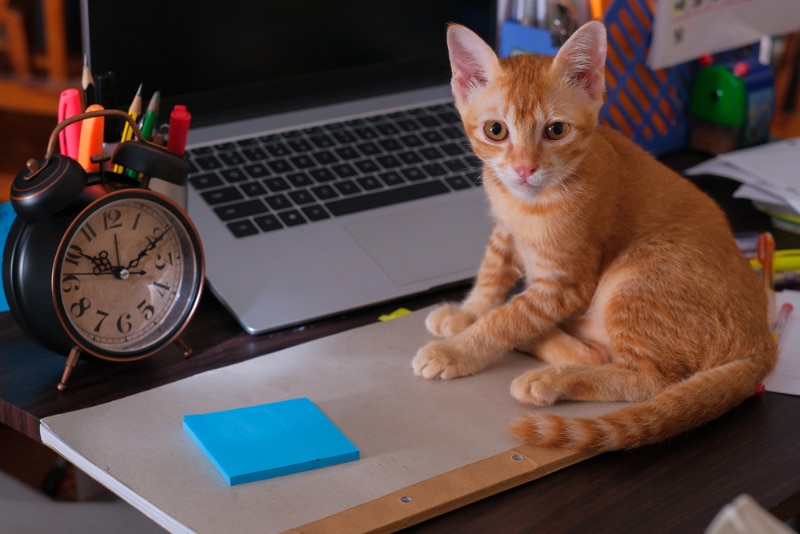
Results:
x,y
234,58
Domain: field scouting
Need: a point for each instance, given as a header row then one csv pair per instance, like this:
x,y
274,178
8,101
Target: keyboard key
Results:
x,y
345,170
348,187
208,163
299,145
254,153
278,202
231,159
322,175
385,198
233,175
366,166
243,228
220,196
206,180
453,149
277,184
434,169
315,213
409,158
322,141
369,182
391,178
268,223
253,189
411,141
240,210
430,153
280,166
256,170
326,157
301,197
292,218
278,150
389,161
303,161
324,192
300,179
347,152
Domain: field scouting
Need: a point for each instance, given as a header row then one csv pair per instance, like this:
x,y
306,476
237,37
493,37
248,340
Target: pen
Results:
x,y
105,94
783,260
69,105
766,256
179,120
780,322
134,111
91,140
87,82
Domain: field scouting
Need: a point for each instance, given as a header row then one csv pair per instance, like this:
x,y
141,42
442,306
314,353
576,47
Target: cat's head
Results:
x,y
529,117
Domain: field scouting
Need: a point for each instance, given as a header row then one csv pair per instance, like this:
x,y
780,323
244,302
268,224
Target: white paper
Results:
x,y
773,169
684,30
785,378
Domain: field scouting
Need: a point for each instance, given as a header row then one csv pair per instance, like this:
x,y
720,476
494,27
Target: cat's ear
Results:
x,y
473,61
582,59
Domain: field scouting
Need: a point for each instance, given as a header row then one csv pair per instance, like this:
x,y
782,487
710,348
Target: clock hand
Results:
x,y
150,246
116,248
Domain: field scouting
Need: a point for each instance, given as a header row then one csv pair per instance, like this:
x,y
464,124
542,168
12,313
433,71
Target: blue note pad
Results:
x,y
269,440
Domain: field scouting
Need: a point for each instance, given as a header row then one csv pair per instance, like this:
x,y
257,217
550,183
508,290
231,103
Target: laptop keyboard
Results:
x,y
274,181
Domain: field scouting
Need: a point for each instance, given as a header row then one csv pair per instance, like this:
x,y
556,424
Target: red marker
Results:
x,y
69,105
179,120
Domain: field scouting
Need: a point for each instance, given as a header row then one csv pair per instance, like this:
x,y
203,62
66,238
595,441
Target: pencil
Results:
x,y
134,111
87,83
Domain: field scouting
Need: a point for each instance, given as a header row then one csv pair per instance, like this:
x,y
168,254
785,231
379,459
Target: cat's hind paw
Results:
x,y
448,320
537,388
434,360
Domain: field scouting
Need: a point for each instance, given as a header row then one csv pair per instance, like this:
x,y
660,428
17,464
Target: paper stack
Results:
x,y
770,177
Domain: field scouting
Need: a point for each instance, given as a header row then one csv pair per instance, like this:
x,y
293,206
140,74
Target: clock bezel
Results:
x,y
192,300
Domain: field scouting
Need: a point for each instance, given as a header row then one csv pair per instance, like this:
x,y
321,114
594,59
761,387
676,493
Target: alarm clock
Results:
x,y
97,263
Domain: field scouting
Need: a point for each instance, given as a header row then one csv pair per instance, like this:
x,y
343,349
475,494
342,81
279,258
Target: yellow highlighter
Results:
x,y
782,261
91,143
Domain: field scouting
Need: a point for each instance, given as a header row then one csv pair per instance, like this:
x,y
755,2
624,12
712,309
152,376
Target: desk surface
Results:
x,y
676,485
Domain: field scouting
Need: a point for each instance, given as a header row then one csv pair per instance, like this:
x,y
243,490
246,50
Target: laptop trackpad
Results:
x,y
455,236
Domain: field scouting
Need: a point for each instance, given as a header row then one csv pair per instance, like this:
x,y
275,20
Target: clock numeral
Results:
x,y
161,261
147,310
70,282
161,288
112,218
73,255
88,232
79,308
136,221
124,323
103,316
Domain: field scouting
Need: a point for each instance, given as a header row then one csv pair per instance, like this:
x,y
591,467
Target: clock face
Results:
x,y
128,275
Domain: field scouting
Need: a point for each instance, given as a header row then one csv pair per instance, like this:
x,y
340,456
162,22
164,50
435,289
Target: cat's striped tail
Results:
x,y
695,401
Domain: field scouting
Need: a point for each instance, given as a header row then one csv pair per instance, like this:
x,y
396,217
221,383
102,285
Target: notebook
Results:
x,y
328,169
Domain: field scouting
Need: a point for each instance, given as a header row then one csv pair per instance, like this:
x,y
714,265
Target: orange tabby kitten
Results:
x,y
634,289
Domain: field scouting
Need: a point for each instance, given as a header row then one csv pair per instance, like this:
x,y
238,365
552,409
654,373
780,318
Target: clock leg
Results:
x,y
72,361
186,349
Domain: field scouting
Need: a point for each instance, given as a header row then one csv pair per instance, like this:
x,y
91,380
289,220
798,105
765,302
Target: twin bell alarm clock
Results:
x,y
97,263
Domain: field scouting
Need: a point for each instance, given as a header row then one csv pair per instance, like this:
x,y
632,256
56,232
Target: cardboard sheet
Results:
x,y
426,446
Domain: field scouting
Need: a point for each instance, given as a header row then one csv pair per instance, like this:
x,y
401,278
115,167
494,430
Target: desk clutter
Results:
x,y
126,262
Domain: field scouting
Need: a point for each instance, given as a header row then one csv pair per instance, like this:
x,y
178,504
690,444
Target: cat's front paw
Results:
x,y
437,360
537,388
448,320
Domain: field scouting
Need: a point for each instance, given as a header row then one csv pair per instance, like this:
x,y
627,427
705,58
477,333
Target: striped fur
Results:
x,y
632,285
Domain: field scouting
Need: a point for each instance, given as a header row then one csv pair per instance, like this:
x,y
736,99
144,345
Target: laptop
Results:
x,y
328,169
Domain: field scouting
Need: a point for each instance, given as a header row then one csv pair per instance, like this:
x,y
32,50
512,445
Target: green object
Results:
x,y
719,96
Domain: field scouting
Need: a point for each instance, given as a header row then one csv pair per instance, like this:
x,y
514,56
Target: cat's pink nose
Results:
x,y
524,171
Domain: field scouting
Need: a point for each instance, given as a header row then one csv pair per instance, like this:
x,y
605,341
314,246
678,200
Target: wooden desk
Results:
x,y
678,485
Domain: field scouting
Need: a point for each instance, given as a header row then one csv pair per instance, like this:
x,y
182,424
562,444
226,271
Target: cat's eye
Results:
x,y
495,130
557,130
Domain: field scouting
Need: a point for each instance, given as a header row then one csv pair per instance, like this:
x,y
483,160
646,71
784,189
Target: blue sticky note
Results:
x,y
7,216
269,440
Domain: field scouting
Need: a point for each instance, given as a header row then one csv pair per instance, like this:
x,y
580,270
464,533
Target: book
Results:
x,y
269,440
